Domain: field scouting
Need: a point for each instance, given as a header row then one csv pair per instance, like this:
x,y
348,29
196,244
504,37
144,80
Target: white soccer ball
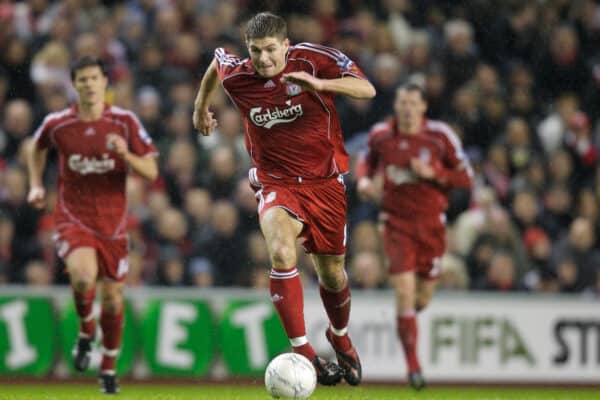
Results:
x,y
290,375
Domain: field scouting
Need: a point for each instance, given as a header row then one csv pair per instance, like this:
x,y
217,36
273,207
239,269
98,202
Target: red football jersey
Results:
x,y
290,132
91,180
405,195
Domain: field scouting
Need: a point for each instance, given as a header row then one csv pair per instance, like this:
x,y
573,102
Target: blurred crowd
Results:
x,y
519,81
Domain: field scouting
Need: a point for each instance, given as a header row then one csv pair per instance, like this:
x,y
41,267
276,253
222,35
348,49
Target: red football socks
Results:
x,y
112,328
84,303
407,332
288,299
337,305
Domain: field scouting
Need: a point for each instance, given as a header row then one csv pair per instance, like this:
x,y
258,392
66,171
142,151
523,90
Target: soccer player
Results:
x,y
285,95
97,144
421,160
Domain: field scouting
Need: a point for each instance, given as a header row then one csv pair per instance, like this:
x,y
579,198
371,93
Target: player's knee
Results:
x,y
82,283
333,280
405,300
283,255
112,304
421,305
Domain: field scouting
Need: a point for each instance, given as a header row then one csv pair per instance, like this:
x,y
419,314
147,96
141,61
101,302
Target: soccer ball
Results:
x,y
290,375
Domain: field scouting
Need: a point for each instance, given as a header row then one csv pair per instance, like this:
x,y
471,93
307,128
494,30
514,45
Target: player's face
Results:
x,y
268,55
90,85
409,108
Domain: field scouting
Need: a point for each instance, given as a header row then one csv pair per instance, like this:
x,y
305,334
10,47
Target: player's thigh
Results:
x,y
280,230
82,265
325,208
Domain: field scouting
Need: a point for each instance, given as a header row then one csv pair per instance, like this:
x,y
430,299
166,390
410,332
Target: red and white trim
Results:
x,y
289,274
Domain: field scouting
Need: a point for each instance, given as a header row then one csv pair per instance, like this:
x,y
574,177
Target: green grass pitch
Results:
x,y
246,392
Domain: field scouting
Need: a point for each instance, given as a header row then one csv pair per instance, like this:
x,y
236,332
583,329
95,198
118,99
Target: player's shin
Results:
x,y
337,306
112,329
407,333
288,299
84,303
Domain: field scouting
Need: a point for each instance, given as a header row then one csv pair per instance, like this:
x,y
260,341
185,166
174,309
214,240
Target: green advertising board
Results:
x,y
27,336
69,326
177,337
251,335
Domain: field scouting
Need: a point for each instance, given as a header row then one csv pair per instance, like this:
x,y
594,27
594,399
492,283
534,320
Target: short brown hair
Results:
x,y
413,87
85,62
266,24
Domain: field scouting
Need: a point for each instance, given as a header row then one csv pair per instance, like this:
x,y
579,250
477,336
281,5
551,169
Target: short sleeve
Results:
x,y
225,62
41,137
455,154
140,142
331,63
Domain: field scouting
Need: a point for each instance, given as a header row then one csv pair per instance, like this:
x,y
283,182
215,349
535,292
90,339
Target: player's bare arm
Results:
x,y
145,166
203,119
347,86
36,162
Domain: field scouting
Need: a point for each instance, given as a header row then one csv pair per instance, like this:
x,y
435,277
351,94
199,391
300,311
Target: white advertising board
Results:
x,y
476,338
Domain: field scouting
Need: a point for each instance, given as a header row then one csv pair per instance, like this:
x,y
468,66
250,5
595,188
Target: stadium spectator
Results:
x,y
17,124
198,207
296,174
453,273
366,271
541,276
562,67
581,146
500,274
226,248
37,273
245,200
556,212
576,258
221,179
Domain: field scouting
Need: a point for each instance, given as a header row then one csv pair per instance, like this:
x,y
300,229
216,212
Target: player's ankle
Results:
x,y
342,343
340,339
306,350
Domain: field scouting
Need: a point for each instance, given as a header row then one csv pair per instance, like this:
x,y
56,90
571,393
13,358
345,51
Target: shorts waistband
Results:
x,y
258,177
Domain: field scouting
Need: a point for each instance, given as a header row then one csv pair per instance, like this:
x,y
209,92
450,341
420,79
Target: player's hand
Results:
x,y
204,121
366,189
303,79
117,144
37,197
422,169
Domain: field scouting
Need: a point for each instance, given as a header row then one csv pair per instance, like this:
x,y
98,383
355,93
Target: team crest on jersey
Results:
x,y
89,131
293,90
